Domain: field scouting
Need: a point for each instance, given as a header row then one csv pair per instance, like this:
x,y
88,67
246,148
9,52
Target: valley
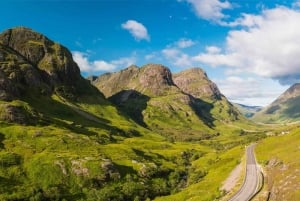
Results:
x,y
141,133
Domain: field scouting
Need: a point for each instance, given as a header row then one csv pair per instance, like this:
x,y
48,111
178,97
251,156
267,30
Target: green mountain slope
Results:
x,y
61,139
279,156
183,106
285,108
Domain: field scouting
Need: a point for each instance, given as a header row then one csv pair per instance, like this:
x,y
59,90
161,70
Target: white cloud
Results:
x,y
171,52
100,65
175,54
177,57
185,43
266,44
213,49
137,30
250,90
210,9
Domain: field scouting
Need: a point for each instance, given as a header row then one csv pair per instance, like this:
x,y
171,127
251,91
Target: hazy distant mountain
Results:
x,y
286,108
247,111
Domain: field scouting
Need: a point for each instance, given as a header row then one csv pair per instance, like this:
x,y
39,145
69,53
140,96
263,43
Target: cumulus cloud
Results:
x,y
185,43
213,49
177,57
250,90
266,45
210,10
87,66
175,54
137,30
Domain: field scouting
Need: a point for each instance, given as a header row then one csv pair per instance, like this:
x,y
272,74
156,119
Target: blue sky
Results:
x,y
250,48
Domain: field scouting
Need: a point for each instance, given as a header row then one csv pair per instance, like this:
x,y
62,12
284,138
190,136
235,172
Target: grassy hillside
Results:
x,y
85,151
191,109
61,139
279,156
288,111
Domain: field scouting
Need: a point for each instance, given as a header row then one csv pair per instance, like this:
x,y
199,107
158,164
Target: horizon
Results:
x,y
249,49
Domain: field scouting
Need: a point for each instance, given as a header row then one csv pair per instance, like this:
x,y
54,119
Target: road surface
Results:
x,y
251,181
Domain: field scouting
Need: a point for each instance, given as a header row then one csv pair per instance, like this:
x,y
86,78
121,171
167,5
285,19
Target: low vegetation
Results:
x,y
61,139
74,153
279,156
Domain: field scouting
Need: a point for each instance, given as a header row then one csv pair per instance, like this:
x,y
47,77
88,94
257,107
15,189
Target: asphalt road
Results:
x,y
251,181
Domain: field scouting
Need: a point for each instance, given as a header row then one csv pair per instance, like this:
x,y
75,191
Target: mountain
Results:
x,y
246,110
35,69
194,81
167,103
62,139
285,108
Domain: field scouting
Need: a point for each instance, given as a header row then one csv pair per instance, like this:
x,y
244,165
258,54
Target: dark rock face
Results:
x,y
40,52
30,62
7,90
31,65
195,82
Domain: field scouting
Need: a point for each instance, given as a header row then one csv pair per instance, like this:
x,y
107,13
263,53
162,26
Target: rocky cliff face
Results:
x,y
40,52
151,80
194,81
32,66
30,62
155,98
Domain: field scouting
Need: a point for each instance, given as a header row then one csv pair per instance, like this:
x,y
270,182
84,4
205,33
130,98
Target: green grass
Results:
x,y
88,150
279,156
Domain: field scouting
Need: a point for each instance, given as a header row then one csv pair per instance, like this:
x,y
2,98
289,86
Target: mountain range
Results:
x,y
169,103
136,134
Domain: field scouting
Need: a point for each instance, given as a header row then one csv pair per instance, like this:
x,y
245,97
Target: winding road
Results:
x,y
251,181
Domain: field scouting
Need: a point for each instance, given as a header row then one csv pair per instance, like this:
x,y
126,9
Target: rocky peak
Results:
x,y
150,79
292,92
194,81
156,78
42,53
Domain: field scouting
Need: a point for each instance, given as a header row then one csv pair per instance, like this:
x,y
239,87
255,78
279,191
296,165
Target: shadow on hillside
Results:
x,y
125,170
67,116
202,110
131,103
293,109
2,137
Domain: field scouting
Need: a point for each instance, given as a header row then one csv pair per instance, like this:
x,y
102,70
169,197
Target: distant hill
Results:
x,y
247,111
286,108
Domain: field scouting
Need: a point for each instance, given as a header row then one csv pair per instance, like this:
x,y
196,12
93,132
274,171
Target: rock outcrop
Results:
x,y
40,52
151,80
30,63
194,81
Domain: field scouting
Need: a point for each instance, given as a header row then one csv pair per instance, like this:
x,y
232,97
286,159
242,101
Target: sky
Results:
x,y
249,48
